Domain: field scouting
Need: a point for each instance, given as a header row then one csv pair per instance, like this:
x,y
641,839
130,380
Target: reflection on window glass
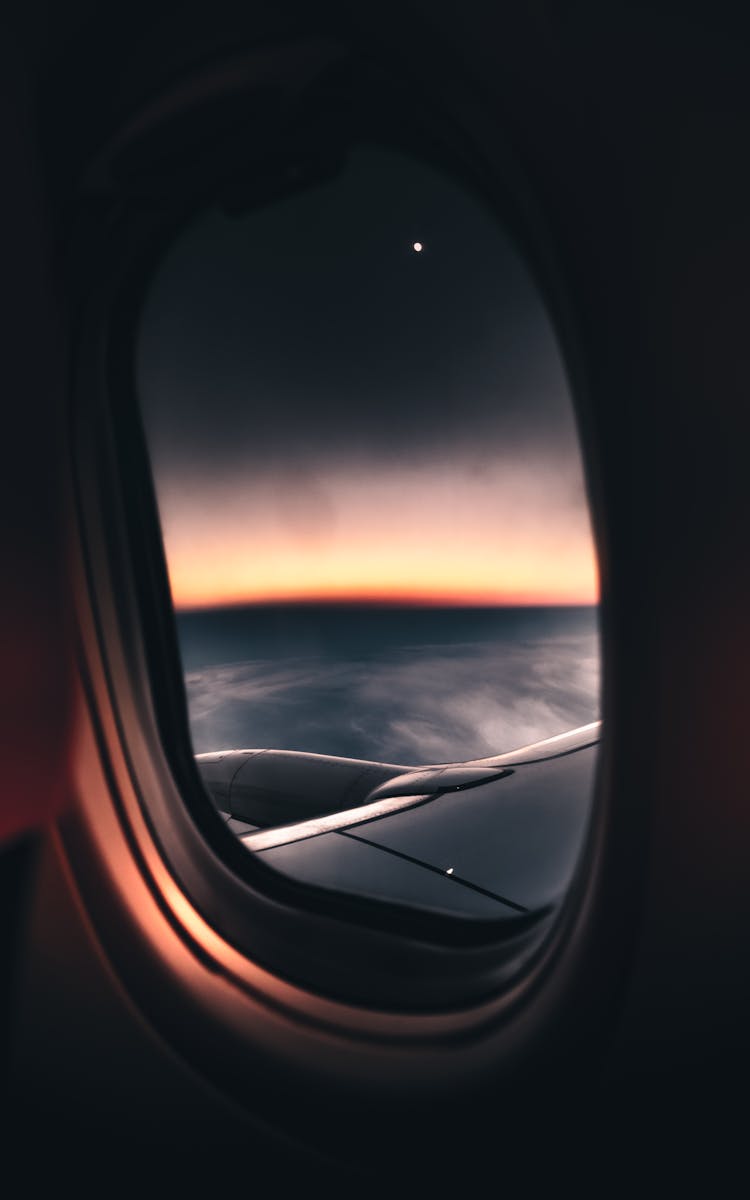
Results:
x,y
378,540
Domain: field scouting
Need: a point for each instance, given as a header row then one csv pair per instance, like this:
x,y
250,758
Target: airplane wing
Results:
x,y
488,839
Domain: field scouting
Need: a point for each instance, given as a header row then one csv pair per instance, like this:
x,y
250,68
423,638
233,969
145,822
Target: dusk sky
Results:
x,y
332,414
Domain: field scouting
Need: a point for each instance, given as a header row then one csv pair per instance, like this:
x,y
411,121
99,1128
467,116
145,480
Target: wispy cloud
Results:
x,y
417,705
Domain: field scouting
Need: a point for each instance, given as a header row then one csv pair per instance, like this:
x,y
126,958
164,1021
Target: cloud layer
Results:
x,y
418,704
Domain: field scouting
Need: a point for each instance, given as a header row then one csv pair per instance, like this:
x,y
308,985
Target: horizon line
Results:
x,y
382,602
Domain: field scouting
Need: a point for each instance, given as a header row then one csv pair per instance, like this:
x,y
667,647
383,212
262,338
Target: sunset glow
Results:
x,y
234,593
423,537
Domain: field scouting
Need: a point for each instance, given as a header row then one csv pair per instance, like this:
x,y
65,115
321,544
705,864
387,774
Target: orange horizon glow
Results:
x,y
405,536
193,590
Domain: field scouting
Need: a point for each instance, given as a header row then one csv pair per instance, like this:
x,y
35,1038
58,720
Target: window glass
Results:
x,y
378,539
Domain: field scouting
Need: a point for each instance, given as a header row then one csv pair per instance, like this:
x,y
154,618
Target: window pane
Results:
x,y
377,536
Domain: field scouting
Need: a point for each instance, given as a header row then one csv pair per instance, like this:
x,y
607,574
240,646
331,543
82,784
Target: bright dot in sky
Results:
x,y
417,246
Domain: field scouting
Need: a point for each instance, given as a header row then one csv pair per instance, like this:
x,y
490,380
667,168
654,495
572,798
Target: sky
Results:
x,y
334,415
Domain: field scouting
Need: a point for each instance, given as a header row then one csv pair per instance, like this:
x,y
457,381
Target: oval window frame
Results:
x,y
132,637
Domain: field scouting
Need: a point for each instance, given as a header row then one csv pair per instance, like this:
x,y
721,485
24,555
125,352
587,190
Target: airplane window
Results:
x,y
378,540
